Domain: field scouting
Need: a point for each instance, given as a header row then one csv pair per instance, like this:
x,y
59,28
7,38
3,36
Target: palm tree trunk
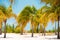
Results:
x,y
21,31
32,30
0,28
13,28
55,27
58,29
44,31
38,28
5,29
0,31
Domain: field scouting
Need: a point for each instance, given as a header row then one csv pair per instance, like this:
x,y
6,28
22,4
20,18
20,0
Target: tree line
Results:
x,y
37,18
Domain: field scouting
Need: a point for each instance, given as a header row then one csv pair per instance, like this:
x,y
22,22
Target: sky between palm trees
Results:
x,y
18,6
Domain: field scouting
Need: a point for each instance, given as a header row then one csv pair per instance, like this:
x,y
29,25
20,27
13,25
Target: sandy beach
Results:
x,y
27,36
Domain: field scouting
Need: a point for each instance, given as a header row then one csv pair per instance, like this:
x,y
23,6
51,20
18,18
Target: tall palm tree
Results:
x,y
3,10
58,14
58,27
45,21
38,16
44,17
1,18
32,15
54,5
8,14
23,18
36,21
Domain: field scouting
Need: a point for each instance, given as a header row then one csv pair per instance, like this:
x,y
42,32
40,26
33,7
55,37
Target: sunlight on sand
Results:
x,y
27,36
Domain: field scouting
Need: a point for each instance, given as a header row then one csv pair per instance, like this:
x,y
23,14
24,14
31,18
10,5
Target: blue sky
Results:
x,y
18,6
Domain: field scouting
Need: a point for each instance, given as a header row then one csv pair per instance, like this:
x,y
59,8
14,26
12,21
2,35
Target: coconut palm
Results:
x,y
45,21
32,17
55,8
44,17
36,21
1,18
2,11
7,14
58,16
51,16
23,18
38,16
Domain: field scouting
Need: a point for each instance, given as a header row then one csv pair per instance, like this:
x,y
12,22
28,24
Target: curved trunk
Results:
x,y
21,31
5,29
0,28
22,28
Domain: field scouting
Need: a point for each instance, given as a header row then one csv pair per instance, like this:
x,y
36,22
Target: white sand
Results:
x,y
14,36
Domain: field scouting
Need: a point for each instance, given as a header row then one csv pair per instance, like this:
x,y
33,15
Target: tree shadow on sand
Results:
x,y
6,37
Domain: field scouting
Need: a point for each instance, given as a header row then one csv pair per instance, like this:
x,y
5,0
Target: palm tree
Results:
x,y
58,27
23,18
32,15
3,9
1,18
58,14
45,21
49,11
8,14
38,16
55,27
44,17
55,9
